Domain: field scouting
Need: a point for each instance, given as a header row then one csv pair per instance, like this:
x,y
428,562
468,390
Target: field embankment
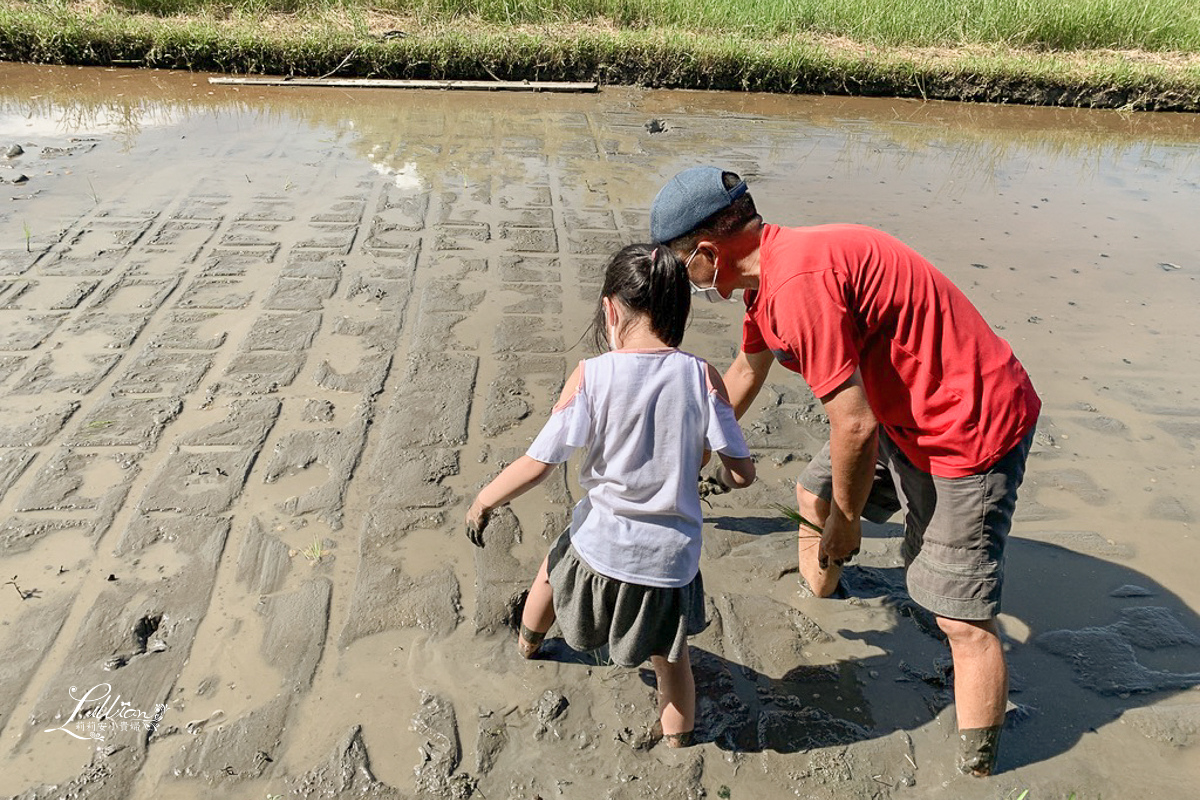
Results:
x,y
1093,53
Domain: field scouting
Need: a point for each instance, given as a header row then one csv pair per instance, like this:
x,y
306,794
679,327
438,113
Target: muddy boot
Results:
x,y
529,642
977,750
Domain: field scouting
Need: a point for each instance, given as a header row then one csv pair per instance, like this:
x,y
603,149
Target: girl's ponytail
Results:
x,y
647,280
670,296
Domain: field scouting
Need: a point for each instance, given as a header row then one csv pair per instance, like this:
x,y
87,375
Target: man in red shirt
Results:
x,y
929,411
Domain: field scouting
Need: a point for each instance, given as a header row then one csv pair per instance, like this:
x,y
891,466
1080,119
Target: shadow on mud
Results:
x,y
1105,642
1089,642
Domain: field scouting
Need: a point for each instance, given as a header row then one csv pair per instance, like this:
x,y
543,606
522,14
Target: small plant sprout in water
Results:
x,y
314,551
24,595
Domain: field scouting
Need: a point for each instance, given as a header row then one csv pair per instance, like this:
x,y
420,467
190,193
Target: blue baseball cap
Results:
x,y
688,199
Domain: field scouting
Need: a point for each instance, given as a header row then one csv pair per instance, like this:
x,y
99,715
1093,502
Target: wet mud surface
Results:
x,y
258,348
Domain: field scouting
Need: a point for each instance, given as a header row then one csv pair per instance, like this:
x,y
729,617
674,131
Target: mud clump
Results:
x,y
143,629
1105,660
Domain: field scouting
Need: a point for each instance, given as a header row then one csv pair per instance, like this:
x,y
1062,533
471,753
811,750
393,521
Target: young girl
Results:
x,y
626,573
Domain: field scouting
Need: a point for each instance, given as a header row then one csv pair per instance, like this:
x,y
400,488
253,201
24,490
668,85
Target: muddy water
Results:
x,y
258,347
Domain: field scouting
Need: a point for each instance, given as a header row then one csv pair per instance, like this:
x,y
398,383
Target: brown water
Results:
x,y
300,323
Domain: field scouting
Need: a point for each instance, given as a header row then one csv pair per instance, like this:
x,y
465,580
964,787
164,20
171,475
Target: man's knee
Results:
x,y
812,508
969,633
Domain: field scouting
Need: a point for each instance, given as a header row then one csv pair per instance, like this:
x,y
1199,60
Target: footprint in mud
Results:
x,y
1076,482
203,475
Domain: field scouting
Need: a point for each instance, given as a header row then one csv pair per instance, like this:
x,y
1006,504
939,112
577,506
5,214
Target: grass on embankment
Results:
x,y
1002,51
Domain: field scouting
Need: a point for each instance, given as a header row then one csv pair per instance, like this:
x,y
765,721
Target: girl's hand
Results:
x,y
477,520
711,486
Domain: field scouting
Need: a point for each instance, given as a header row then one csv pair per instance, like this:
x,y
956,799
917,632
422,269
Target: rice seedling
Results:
x,y
787,512
315,551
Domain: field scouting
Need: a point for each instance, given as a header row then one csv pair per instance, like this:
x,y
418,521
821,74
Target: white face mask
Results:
x,y
709,293
611,329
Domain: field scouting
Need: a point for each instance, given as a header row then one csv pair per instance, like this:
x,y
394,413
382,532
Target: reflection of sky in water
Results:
x,y
834,146
971,141
56,120
405,177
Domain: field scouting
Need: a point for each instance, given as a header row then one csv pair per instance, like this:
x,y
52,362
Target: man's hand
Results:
x,y
477,521
840,541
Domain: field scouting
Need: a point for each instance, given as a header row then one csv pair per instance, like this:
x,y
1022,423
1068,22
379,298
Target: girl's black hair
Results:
x,y
648,280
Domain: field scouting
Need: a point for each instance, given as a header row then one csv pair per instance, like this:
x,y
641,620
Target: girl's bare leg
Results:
x,y
539,613
676,699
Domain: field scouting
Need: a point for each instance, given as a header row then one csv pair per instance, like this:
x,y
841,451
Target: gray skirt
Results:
x,y
635,621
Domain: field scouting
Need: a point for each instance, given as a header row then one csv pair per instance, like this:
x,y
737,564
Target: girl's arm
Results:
x,y
736,473
514,480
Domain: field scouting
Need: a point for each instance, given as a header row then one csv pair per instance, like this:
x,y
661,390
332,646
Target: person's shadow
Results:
x,y
1088,639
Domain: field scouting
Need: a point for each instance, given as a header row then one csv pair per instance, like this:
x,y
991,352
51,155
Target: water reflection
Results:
x,y
1054,222
971,142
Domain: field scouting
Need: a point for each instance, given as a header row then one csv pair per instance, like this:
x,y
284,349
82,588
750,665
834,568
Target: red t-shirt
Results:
x,y
835,298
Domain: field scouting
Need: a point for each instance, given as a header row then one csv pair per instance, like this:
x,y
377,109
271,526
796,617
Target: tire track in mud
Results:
x,y
231,295
203,473
73,477
259,399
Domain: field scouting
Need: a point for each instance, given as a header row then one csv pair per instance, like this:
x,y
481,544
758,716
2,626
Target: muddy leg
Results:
x,y
980,690
676,699
538,615
822,581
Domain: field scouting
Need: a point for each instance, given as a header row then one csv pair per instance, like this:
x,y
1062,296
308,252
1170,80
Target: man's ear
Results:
x,y
710,249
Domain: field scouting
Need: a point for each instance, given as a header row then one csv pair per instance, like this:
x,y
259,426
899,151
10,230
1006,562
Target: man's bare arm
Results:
x,y
852,447
745,377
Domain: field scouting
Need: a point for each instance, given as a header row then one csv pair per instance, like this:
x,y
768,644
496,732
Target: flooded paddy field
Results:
x,y
259,348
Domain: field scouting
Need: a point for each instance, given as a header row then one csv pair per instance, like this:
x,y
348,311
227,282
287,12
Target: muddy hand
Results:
x,y
477,520
823,560
840,542
710,486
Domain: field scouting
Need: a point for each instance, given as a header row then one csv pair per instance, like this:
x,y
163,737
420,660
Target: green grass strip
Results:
x,y
1050,24
327,35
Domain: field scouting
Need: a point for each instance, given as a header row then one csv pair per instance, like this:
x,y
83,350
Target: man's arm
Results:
x,y
852,448
745,377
